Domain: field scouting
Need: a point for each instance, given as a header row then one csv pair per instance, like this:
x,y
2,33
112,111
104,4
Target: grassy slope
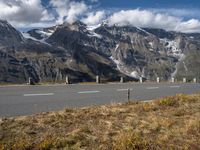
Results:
x,y
169,123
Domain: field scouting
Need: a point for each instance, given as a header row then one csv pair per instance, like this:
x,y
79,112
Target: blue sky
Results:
x,y
165,6
144,3
173,15
150,3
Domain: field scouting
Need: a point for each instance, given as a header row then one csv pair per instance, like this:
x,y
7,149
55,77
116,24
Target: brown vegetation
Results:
x,y
168,123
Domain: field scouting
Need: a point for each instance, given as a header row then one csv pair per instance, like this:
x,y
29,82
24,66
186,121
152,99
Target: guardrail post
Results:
x,y
30,82
122,80
67,80
158,80
141,80
195,80
184,80
97,79
173,80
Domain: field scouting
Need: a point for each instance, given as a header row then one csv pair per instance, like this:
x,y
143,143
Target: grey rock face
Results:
x,y
9,36
77,51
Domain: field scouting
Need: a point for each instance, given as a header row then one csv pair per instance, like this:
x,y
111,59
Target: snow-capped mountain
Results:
x,y
82,52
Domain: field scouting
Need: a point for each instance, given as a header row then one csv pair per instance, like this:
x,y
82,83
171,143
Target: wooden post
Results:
x,y
128,95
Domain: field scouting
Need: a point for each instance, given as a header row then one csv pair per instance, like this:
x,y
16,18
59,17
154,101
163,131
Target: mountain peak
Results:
x,y
8,34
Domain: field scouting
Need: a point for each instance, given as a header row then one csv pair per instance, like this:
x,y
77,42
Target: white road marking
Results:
x,y
120,90
41,94
152,88
175,86
88,92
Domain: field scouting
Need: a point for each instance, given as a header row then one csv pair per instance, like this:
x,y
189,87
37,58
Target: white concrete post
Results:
x,y
29,81
97,79
122,80
195,80
173,80
67,80
158,80
184,80
141,80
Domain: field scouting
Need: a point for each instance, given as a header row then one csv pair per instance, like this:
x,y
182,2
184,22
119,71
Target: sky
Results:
x,y
171,15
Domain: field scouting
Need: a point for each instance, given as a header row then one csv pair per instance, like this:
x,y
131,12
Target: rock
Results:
x,y
74,50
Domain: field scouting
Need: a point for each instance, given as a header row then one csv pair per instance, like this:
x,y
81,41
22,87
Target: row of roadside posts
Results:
x,y
141,80
158,80
67,81
98,80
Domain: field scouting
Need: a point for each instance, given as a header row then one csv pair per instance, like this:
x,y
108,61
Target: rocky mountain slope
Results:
x,y
82,52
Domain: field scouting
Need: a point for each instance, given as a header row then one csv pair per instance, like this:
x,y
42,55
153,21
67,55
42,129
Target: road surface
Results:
x,y
28,100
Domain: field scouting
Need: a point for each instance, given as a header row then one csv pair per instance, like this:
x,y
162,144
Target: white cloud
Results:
x,y
178,12
20,12
76,9
31,13
68,10
94,18
190,26
147,18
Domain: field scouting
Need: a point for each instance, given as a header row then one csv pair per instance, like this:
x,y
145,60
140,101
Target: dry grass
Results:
x,y
168,123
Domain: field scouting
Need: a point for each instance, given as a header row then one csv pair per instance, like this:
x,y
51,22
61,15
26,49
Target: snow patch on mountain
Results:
x,y
92,28
181,58
45,34
92,33
117,46
172,47
135,74
143,30
28,36
123,69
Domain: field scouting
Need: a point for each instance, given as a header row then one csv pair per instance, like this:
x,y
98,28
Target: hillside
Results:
x,y
82,52
168,123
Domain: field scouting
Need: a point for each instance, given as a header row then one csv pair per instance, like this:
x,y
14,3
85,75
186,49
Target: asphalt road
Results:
x,y
27,100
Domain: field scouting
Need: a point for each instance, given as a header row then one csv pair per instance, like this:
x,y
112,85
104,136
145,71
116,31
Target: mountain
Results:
x,y
43,61
82,52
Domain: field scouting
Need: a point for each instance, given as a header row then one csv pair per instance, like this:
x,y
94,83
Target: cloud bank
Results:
x,y
147,18
93,18
32,13
23,12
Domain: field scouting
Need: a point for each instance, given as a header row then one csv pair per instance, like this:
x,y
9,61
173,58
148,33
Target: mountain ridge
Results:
x,y
83,52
